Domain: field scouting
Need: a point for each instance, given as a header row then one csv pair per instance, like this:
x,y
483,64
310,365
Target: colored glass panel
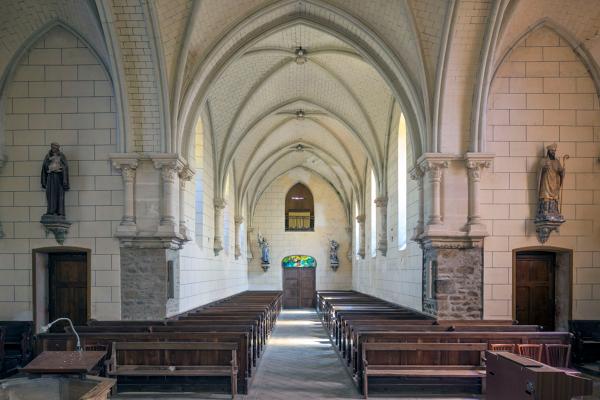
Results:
x,y
298,261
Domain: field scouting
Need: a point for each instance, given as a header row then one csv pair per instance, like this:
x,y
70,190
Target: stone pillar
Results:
x,y
220,205
361,235
169,166
349,253
475,163
127,164
381,206
453,278
249,253
144,276
433,164
185,176
416,174
239,220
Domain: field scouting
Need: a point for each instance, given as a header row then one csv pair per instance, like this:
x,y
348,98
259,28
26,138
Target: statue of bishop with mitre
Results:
x,y
550,181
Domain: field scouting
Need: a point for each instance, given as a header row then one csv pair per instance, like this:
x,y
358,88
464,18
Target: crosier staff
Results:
x,y
564,165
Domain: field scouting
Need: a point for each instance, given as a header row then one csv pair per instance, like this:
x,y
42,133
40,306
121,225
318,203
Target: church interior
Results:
x,y
299,199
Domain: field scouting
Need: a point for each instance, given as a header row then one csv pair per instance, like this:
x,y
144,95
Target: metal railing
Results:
x,y
299,223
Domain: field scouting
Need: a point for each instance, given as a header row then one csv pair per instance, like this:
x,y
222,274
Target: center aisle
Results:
x,y
300,363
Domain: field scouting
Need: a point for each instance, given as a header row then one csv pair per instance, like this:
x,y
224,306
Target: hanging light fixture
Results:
x,y
300,56
300,114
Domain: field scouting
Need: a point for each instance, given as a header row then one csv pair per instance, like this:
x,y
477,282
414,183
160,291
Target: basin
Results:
x,y
55,388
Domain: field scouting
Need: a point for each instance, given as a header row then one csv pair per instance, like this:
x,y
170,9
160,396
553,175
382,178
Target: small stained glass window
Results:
x,y
298,261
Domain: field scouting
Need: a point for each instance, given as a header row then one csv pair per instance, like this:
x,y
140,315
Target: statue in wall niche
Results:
x,y
55,180
265,258
551,175
334,261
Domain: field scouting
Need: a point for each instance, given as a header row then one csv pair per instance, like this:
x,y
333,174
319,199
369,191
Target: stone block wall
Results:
x,y
330,223
397,276
59,93
542,93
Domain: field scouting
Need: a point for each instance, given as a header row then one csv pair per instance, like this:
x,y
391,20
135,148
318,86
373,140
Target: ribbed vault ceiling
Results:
x,y
253,109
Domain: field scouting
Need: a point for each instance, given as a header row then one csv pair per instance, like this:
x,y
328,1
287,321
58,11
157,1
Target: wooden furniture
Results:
x,y
188,359
503,347
557,355
387,359
586,347
299,287
56,387
513,377
533,351
64,362
16,345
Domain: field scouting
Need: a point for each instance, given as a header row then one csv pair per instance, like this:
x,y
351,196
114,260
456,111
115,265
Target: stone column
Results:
x,y
433,165
349,253
416,174
185,176
220,205
381,206
239,220
475,163
249,253
169,166
127,164
361,235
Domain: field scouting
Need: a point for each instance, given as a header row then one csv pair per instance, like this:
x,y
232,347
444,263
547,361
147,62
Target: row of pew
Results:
x,y
221,341
412,352
15,345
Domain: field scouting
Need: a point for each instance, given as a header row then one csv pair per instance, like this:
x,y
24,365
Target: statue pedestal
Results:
x,y
334,265
265,266
544,227
58,225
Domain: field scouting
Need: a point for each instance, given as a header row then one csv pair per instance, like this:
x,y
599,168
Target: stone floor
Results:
x,y
299,363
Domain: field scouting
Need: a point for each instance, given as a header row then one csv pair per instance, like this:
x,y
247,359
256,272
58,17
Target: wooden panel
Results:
x,y
307,293
68,287
535,292
291,288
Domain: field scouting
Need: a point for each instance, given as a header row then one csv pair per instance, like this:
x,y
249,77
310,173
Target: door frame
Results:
x,y
40,262
300,283
563,259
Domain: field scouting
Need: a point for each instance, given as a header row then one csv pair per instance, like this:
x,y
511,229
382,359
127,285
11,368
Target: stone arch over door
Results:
x,y
562,281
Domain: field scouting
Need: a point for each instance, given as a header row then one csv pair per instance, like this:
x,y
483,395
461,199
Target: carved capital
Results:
x,y
434,168
186,173
220,203
416,174
360,218
238,220
128,173
122,160
168,173
476,162
381,201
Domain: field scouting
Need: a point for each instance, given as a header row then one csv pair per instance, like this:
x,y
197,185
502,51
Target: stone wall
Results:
x,y
330,223
59,93
397,276
542,93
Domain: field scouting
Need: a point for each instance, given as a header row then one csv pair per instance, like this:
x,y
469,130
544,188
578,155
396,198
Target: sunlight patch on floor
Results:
x,y
298,322
298,341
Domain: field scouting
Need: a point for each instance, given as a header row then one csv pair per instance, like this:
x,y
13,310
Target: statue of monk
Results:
x,y
55,179
551,175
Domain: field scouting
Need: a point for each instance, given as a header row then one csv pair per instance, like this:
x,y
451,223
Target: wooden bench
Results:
x,y
168,359
16,345
586,347
393,366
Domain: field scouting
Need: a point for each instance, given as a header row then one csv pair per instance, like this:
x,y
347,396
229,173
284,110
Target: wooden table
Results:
x,y
64,362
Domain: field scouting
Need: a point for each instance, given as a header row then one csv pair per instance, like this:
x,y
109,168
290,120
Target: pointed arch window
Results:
x,y
299,209
402,183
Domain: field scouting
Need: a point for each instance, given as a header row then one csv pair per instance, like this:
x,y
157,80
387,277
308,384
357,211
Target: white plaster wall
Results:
x,y
330,223
397,276
59,93
204,277
541,94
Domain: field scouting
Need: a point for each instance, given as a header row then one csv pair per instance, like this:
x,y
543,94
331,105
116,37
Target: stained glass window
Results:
x,y
298,261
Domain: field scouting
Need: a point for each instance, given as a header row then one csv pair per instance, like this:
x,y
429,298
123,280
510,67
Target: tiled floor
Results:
x,y
299,363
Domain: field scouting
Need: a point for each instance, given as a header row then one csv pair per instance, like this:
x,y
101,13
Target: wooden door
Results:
x,y
68,287
299,287
534,289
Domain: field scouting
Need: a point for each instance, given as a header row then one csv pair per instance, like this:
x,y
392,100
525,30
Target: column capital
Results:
x,y
360,218
124,160
220,203
381,201
416,173
167,161
186,173
238,219
475,162
433,163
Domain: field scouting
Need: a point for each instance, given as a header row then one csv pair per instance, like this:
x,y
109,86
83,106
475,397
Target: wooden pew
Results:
x,y
64,341
174,359
16,347
427,365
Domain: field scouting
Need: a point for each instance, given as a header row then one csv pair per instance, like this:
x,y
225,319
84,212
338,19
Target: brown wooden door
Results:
x,y
68,287
534,289
299,287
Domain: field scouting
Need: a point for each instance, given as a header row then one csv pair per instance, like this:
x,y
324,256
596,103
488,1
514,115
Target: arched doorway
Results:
x,y
542,281
299,281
